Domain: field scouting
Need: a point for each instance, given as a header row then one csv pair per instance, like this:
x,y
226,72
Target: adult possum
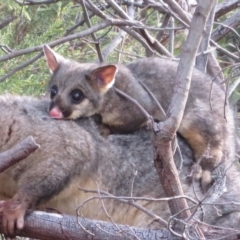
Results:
x,y
73,154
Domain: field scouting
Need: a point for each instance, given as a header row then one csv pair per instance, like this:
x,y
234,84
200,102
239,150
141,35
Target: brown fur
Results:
x,y
204,127
73,154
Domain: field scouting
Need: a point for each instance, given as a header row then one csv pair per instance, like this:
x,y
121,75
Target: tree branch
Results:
x,y
178,10
23,65
84,33
17,153
221,31
32,2
225,7
5,22
201,60
164,162
86,17
47,226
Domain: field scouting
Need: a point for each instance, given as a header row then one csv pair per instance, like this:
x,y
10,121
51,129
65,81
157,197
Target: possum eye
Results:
x,y
53,91
76,96
87,77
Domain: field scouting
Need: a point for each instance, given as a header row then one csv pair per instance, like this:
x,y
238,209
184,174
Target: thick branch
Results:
x,y
221,31
5,22
226,6
187,58
201,60
164,162
48,226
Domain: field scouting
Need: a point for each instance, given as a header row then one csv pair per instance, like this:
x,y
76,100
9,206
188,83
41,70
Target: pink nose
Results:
x,y
56,113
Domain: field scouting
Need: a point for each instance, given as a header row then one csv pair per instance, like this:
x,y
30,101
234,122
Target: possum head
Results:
x,y
76,90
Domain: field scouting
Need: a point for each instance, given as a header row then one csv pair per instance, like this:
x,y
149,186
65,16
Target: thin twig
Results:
x,y
111,196
97,45
32,2
21,66
148,117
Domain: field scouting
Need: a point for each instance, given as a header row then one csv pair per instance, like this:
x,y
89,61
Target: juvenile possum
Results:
x,y
83,89
73,154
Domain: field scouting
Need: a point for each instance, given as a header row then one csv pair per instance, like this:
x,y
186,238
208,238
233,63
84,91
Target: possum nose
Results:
x,y
56,113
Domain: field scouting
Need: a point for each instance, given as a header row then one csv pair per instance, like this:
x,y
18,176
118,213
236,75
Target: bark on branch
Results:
x,y
225,7
17,153
164,162
49,226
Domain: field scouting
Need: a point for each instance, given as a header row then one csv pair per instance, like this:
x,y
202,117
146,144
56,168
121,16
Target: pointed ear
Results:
x,y
104,76
53,59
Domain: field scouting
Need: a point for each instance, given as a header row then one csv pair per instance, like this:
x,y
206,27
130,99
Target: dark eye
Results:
x,y
76,96
53,91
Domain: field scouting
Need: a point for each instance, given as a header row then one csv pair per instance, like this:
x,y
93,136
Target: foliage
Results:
x,y
44,23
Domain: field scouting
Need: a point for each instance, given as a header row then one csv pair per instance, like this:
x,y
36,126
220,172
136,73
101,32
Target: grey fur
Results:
x,y
204,125
73,154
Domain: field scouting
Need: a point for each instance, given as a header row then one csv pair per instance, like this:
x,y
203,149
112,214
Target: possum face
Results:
x,y
71,99
77,90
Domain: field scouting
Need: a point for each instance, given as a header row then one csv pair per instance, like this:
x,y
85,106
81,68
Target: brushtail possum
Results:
x,y
83,89
72,154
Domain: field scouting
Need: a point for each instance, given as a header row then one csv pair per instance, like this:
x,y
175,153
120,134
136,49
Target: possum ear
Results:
x,y
104,76
53,59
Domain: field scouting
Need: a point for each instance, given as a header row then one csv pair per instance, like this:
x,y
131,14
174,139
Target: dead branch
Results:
x,y
214,69
164,162
50,226
121,35
134,34
81,34
17,153
221,31
32,2
5,22
169,10
225,51
47,226
178,10
21,66
115,42
201,61
163,26
225,7
143,32
86,17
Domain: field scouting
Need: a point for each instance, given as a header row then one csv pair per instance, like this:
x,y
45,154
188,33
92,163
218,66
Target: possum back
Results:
x,y
73,155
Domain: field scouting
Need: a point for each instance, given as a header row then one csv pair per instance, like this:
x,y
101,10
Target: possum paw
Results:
x,y
196,172
206,180
204,176
12,214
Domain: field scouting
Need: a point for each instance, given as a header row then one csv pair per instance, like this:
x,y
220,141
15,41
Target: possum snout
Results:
x,y
55,112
